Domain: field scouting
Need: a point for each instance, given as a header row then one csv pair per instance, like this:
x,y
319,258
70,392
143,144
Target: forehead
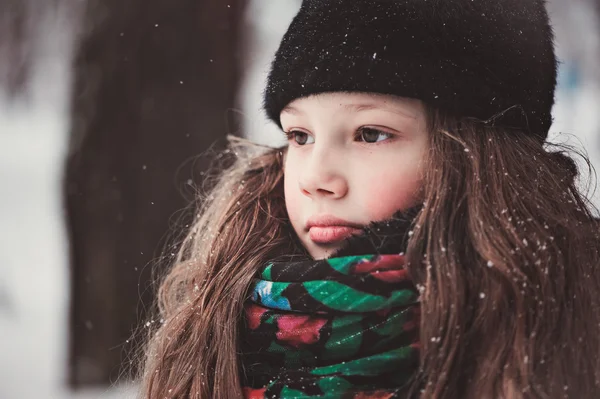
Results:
x,y
355,102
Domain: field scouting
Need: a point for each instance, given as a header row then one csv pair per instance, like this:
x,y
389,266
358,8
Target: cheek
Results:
x,y
292,193
291,200
390,193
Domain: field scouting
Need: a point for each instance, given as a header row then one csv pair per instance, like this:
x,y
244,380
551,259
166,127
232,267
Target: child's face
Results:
x,y
352,159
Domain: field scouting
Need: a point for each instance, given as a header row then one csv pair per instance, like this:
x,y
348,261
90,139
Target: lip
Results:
x,y
328,229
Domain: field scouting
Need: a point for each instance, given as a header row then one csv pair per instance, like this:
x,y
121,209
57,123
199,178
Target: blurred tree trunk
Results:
x,y
15,45
154,83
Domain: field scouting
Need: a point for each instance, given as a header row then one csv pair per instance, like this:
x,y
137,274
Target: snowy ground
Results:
x,y
33,137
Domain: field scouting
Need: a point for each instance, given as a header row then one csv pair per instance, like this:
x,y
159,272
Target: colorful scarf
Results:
x,y
342,327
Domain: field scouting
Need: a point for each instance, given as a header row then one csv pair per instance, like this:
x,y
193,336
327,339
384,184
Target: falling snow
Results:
x,y
44,123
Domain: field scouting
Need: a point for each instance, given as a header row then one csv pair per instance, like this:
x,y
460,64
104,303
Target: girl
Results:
x,y
416,238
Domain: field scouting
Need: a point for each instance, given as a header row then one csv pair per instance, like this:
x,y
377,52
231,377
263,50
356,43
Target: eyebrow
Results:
x,y
357,108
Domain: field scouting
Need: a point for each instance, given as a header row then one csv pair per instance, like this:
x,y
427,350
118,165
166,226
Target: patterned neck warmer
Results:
x,y
344,327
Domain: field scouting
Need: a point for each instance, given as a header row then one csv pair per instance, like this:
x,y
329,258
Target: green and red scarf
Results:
x,y
344,327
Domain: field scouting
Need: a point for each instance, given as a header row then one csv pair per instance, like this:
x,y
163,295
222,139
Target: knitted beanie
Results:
x,y
492,60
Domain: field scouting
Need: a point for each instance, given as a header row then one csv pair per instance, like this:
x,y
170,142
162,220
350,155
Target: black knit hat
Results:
x,y
492,60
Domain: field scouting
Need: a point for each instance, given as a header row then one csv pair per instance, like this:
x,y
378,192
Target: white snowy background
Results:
x,y
33,140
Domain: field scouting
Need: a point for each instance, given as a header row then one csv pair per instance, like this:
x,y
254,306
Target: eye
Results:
x,y
299,137
372,135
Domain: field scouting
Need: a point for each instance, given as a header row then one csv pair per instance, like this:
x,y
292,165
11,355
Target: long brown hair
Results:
x,y
506,254
504,251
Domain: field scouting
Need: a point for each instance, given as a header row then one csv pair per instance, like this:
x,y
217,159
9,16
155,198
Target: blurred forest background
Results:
x,y
104,108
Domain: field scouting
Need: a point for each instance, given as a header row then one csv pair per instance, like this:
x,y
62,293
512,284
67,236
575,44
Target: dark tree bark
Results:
x,y
154,83
15,44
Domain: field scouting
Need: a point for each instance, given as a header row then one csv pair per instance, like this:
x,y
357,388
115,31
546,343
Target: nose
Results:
x,y
323,176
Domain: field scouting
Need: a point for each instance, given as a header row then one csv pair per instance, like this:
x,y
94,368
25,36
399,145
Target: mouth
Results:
x,y
326,229
331,234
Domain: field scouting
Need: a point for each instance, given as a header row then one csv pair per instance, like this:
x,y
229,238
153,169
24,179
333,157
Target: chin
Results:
x,y
321,251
